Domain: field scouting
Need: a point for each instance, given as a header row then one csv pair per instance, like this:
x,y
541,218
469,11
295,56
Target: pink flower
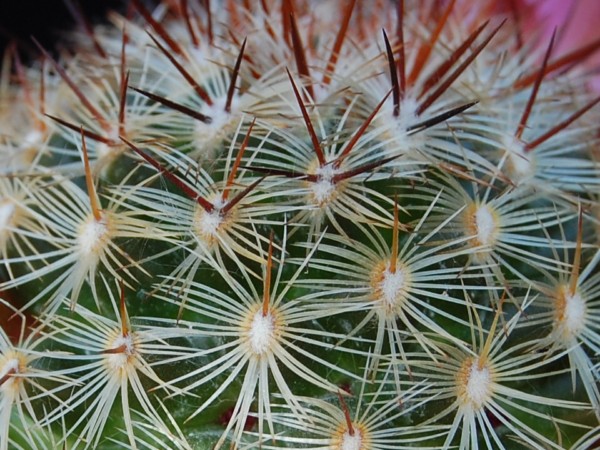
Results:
x,y
575,21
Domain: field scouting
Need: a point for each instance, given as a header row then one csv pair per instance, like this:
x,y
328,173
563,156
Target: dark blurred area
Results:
x,y
46,20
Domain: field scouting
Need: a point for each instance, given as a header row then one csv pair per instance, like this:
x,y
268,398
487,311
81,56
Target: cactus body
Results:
x,y
273,225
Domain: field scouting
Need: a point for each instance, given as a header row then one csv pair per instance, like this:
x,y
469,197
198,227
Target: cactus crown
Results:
x,y
272,225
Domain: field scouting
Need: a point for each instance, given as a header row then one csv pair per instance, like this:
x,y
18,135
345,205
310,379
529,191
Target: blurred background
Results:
x,y
47,20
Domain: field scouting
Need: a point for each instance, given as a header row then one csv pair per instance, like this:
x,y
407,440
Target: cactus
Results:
x,y
340,225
